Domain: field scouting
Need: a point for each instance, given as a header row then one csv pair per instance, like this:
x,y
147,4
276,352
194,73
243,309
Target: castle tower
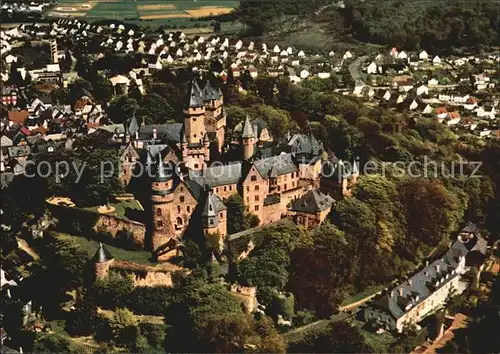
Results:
x,y
248,139
194,115
102,262
215,119
214,216
162,199
53,51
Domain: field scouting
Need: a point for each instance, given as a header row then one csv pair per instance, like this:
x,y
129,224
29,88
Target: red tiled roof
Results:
x,y
441,110
18,117
454,115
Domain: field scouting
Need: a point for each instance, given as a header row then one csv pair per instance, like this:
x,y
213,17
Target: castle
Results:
x,y
188,188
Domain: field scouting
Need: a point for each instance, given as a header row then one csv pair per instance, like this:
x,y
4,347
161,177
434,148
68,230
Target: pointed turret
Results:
x,y
195,96
161,169
102,255
210,93
209,208
133,126
247,129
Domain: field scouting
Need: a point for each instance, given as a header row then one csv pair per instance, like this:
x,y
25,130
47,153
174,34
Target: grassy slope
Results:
x,y
91,246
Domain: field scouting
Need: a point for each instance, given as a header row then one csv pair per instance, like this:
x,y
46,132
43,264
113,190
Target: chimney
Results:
x,y
136,135
437,268
400,291
427,263
410,282
155,134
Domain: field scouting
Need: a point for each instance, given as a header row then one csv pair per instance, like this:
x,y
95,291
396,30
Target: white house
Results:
x,y
394,52
276,49
9,59
423,55
402,55
387,95
372,68
347,55
304,74
436,60
432,82
324,75
422,90
427,109
486,112
301,54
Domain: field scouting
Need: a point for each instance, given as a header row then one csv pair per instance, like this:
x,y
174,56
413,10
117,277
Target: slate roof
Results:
x,y
213,205
102,255
195,96
313,202
248,131
425,282
281,164
133,126
211,93
305,145
217,175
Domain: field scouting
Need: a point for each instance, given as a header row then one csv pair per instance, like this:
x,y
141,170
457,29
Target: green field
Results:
x,y
184,13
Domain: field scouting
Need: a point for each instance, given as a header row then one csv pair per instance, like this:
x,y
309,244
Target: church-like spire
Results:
x,y
248,129
195,96
133,126
102,255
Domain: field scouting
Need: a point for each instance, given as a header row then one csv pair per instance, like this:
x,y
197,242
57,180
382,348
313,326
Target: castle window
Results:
x,y
285,187
279,188
216,190
179,221
248,188
257,187
194,120
253,178
256,198
188,209
196,166
181,189
221,215
195,135
225,188
178,208
211,221
230,188
256,208
158,212
159,224
181,198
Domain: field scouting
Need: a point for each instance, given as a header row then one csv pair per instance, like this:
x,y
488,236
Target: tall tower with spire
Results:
x,y
194,115
248,138
161,203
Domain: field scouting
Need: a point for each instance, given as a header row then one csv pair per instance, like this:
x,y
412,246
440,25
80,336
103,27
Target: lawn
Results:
x,y
350,299
91,246
122,208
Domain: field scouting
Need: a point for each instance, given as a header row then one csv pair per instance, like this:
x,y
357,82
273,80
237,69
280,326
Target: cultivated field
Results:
x,y
145,10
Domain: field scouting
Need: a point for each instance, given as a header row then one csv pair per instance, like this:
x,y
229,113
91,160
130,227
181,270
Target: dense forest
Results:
x,y
433,25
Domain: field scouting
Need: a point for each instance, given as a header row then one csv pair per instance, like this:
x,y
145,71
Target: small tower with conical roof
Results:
x,y
214,216
102,262
248,138
161,203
